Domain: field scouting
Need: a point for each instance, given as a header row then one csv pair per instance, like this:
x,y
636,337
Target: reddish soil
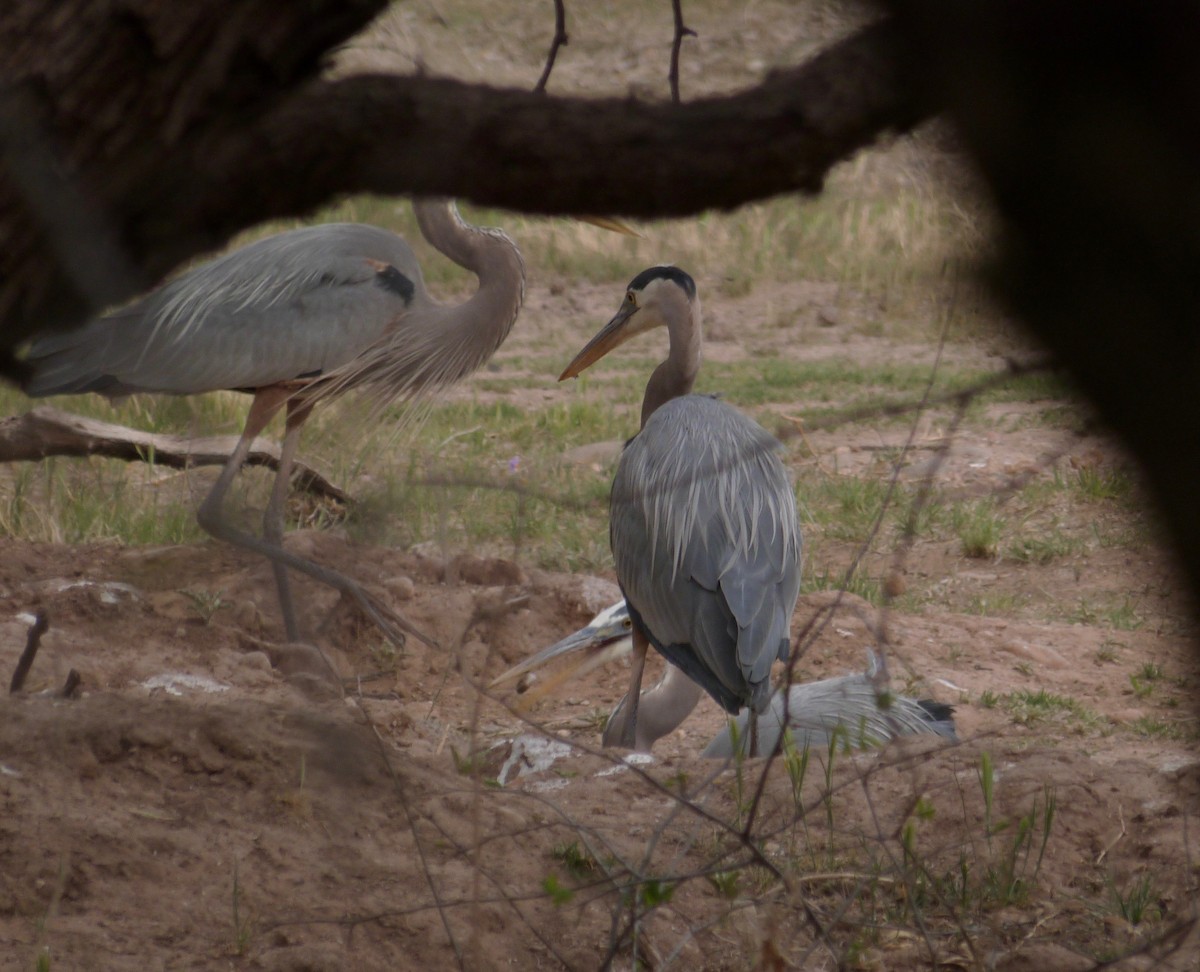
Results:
x,y
214,799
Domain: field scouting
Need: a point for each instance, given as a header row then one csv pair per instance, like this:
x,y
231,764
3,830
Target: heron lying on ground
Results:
x,y
849,704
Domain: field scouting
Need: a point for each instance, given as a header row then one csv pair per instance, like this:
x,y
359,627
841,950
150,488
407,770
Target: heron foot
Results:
x,y
394,626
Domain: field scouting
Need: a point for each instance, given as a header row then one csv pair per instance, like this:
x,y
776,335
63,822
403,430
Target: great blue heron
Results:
x,y
295,319
703,521
849,705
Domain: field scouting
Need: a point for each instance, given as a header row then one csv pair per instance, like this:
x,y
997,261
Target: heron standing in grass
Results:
x,y
704,529
296,319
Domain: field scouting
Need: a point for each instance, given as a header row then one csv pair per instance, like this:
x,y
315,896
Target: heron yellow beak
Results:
x,y
615,333
606,637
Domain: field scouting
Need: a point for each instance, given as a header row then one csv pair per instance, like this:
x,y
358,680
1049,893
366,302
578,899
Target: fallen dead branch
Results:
x,y
45,431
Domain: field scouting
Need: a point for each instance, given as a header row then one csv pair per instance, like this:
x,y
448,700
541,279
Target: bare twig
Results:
x,y
508,486
32,641
1113,843
681,31
560,40
71,685
46,431
928,400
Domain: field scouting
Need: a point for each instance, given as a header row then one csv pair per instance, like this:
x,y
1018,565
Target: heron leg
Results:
x,y
640,645
273,517
211,518
752,722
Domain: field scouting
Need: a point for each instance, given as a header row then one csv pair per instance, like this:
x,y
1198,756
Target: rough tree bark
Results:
x,y
178,126
102,104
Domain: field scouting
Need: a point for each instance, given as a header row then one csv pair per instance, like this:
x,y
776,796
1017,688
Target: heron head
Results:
x,y
654,298
605,637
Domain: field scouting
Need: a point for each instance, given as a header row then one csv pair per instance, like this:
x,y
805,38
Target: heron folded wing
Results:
x,y
294,304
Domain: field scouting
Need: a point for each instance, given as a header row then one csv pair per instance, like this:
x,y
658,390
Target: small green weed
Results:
x,y
652,893
1030,708
578,862
206,603
998,872
868,588
1007,878
1138,902
978,527
558,893
726,883
1045,548
1150,672
1150,727
995,604
1096,483
1122,616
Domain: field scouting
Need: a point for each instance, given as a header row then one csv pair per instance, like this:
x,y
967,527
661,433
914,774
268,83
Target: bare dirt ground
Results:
x,y
214,800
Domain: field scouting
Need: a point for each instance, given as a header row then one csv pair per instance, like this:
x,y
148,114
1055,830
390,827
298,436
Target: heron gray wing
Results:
x,y
293,305
707,545
848,705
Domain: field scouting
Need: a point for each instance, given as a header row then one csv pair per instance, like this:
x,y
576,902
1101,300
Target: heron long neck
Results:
x,y
660,710
480,324
677,374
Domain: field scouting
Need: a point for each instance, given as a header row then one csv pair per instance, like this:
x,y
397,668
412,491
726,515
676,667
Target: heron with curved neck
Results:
x,y
703,522
848,709
295,319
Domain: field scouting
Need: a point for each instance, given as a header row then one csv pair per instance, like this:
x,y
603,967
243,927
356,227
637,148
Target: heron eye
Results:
x,y
629,297
628,623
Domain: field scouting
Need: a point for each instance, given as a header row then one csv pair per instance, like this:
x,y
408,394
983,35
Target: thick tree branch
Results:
x,y
577,155
190,187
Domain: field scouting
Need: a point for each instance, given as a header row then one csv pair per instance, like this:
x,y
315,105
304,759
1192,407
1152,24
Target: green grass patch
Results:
x,y
1045,548
978,527
868,588
1031,708
1121,615
1152,727
844,507
996,604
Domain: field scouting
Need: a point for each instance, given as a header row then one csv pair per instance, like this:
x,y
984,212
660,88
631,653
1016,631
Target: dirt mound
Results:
x,y
199,806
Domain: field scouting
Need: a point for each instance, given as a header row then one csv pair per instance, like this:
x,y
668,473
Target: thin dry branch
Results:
x,y
560,40
45,431
71,685
681,31
32,642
